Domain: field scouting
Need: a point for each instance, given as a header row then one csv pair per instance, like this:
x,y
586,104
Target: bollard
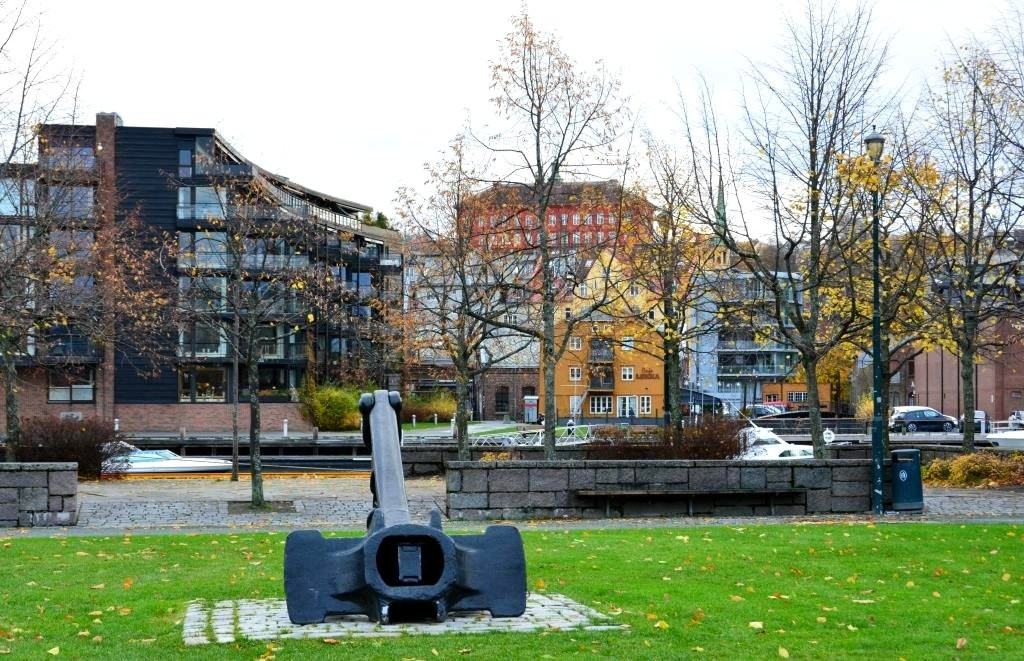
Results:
x,y
414,421
435,418
400,570
316,433
284,431
117,424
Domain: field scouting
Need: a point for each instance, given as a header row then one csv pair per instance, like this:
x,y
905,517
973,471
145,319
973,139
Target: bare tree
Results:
x,y
561,123
802,115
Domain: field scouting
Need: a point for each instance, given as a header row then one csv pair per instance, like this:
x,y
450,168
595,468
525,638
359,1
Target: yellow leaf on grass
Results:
x,y
98,586
652,616
697,616
759,626
54,651
331,641
961,643
127,583
540,584
783,652
1006,577
661,624
735,598
821,619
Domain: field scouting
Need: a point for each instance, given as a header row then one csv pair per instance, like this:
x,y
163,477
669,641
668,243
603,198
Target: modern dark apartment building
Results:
x,y
190,183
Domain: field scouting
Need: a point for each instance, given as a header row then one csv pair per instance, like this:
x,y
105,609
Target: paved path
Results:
x,y
343,502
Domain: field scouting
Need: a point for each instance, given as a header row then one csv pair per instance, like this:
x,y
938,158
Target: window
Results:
x,y
511,318
201,203
626,343
600,237
185,161
72,385
773,397
204,249
575,405
274,381
71,201
17,197
575,343
651,314
501,400
575,219
568,314
551,219
565,219
203,294
600,219
796,397
645,404
627,373
70,157
634,290
575,373
202,384
270,341
627,406
584,289
204,340
600,404
575,238
76,244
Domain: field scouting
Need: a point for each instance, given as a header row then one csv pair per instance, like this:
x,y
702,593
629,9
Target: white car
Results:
x,y
765,444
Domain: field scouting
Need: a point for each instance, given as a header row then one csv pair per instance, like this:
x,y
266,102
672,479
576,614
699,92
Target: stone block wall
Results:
x,y
38,494
484,490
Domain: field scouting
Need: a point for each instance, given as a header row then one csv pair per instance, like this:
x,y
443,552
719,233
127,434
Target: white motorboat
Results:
x,y
1007,439
134,460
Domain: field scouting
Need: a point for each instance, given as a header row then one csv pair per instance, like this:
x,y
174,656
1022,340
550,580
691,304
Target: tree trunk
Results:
x,y
967,380
235,404
548,374
254,433
461,423
672,393
814,405
10,376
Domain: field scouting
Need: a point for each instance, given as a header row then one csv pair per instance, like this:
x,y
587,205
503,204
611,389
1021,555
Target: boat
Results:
x,y
131,459
1007,439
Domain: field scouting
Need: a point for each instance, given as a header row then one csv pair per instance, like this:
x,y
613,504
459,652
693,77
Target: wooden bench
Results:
x,y
610,494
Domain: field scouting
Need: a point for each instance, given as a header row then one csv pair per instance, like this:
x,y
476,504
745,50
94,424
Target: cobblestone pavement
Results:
x,y
343,502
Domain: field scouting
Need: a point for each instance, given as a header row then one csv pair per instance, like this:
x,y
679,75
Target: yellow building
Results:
x,y
613,364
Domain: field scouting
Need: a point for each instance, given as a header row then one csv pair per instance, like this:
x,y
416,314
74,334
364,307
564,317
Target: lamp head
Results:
x,y
874,143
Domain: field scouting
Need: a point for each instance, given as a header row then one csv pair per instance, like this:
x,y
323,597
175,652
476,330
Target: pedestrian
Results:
x,y
632,416
570,426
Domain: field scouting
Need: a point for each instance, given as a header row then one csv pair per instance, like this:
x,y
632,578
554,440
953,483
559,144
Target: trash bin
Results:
x,y
907,492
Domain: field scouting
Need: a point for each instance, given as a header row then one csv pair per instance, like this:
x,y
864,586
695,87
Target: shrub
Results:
x,y
88,442
977,469
331,407
425,405
713,437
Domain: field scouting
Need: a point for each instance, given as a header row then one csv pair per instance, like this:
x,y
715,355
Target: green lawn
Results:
x,y
806,591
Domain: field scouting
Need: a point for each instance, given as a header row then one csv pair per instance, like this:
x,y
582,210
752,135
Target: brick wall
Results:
x,y
515,379
38,494
543,490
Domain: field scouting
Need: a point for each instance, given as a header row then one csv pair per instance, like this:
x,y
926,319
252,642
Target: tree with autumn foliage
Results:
x,y
461,286
969,184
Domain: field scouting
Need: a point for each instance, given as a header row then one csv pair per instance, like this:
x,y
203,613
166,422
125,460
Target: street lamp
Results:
x,y
874,143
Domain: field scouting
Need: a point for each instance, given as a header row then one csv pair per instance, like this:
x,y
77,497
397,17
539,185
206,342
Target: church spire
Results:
x,y
720,207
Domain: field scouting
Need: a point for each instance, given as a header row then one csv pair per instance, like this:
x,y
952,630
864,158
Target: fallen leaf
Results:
x,y
98,586
851,627
756,625
433,651
54,651
661,624
127,583
863,601
961,643
698,616
1006,576
540,584
821,619
783,652
331,641
735,597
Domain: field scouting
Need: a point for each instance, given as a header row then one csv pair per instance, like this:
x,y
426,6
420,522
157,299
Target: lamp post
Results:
x,y
874,143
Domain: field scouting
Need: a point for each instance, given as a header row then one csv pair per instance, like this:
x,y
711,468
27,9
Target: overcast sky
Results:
x,y
352,98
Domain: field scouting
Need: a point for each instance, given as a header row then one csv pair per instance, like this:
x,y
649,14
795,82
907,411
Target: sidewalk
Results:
x,y
343,502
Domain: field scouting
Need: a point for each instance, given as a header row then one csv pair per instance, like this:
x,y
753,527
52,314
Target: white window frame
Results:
x,y
626,343
575,373
796,397
634,289
645,405
625,403
575,405
575,343
600,404
627,373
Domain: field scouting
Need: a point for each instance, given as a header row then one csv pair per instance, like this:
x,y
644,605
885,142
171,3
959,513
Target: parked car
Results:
x,y
765,444
758,410
919,418
980,422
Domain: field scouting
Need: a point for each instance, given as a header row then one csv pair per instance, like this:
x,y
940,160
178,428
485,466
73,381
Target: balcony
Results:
x,y
754,370
602,383
751,345
392,261
602,355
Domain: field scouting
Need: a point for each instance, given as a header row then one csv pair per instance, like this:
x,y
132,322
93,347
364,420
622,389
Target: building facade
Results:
x,y
191,184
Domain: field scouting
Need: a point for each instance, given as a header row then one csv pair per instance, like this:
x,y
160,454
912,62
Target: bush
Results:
x,y
978,469
425,405
713,437
332,407
88,442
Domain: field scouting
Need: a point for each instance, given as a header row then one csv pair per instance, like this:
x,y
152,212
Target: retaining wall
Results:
x,y
482,490
38,494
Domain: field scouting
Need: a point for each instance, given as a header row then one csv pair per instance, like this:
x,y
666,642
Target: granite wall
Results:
x,y
38,494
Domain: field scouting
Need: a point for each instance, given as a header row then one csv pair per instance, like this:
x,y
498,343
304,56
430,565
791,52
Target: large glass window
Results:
x,y
70,157
600,404
202,384
203,340
203,249
203,294
71,201
17,197
201,203
501,400
627,406
72,385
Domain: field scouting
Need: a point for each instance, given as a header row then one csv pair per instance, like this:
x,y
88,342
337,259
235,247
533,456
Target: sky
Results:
x,y
352,99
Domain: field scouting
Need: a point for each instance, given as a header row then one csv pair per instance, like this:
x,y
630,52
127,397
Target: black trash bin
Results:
x,y
907,492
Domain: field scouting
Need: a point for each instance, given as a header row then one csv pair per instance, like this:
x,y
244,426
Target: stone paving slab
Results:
x,y
267,619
